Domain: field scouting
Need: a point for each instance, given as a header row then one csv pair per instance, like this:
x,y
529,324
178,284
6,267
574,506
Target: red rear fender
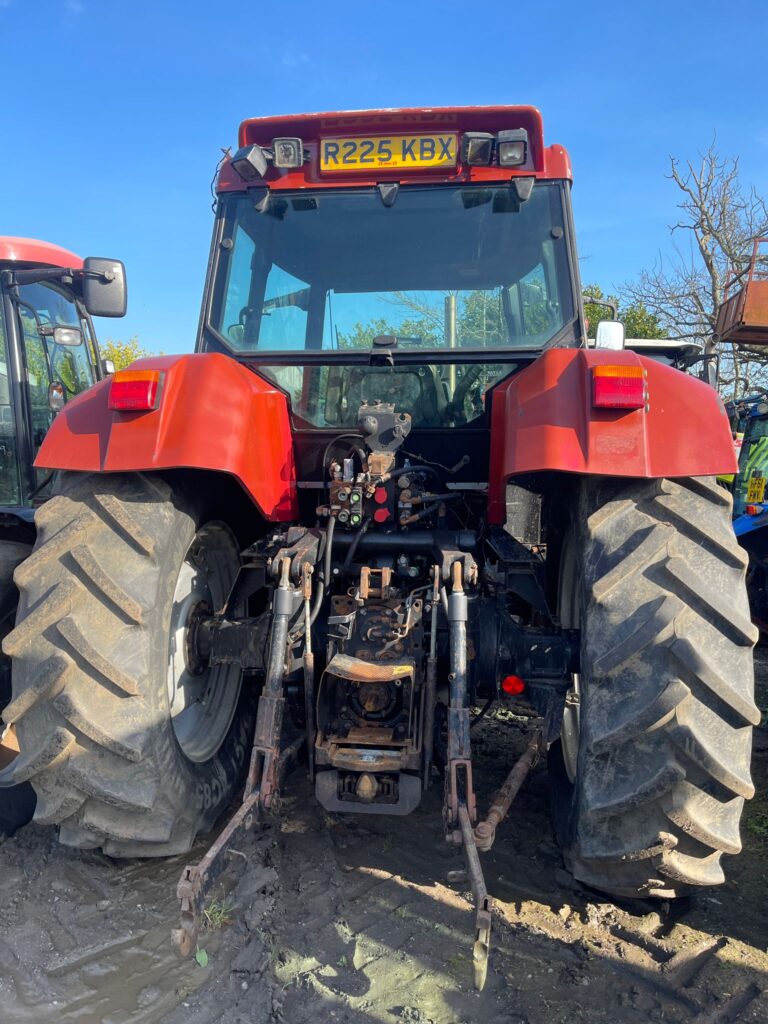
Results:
x,y
543,419
214,414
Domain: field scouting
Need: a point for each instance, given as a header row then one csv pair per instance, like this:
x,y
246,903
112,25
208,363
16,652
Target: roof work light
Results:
x,y
250,162
512,147
288,152
477,148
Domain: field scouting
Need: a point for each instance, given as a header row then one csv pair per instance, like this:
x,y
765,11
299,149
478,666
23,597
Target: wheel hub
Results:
x,y
202,697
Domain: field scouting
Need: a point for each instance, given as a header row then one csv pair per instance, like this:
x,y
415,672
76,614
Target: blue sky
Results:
x,y
115,112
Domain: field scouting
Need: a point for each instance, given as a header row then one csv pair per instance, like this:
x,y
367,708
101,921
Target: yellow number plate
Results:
x,y
756,488
388,152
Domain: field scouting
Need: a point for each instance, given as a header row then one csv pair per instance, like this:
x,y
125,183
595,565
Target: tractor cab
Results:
x,y
48,355
406,258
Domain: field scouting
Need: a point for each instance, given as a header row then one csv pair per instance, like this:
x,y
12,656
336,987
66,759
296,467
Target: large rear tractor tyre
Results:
x,y
130,744
652,770
17,803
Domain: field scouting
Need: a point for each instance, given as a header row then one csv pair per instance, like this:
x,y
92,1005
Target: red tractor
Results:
x,y
48,356
392,483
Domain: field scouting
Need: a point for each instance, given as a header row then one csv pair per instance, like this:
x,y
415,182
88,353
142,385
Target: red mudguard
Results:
x,y
214,413
543,419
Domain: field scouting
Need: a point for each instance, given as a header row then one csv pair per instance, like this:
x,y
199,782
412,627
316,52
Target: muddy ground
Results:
x,y
351,920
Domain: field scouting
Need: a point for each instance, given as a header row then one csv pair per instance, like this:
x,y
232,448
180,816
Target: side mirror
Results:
x,y
56,396
108,367
610,334
105,291
236,333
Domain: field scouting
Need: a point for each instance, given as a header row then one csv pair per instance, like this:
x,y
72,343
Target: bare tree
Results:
x,y
719,220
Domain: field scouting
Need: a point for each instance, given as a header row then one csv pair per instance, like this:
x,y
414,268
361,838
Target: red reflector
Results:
x,y
753,510
135,390
513,685
618,387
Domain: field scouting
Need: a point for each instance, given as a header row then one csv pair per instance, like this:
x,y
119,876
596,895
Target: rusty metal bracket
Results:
x,y
459,746
483,903
262,788
481,837
501,801
197,879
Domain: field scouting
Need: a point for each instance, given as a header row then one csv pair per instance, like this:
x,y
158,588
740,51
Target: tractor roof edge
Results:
x,y
32,250
387,116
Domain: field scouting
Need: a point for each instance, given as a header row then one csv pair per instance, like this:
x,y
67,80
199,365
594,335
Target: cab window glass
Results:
x,y
284,311
46,360
537,310
9,463
38,369
238,286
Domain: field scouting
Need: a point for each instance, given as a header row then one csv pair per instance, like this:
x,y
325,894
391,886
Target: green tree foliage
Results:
x,y
123,353
638,321
362,335
480,320
479,323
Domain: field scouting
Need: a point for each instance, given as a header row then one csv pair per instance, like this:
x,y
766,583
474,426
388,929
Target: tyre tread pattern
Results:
x,y
668,699
80,666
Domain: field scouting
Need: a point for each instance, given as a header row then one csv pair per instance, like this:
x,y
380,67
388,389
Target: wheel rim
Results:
x,y
570,618
202,699
570,730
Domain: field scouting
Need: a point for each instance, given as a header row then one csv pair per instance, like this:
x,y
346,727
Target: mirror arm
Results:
x,y
588,300
21,277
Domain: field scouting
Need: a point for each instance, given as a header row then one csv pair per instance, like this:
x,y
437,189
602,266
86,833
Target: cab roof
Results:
x,y
545,161
386,119
33,251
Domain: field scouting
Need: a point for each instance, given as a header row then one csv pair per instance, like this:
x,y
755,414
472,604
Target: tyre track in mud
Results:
x,y
85,938
351,920
368,932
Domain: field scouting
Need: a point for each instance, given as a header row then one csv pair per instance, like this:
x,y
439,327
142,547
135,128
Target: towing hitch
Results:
x,y
223,641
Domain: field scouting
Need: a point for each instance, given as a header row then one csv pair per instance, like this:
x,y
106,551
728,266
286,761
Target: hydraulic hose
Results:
x,y
354,546
429,470
325,578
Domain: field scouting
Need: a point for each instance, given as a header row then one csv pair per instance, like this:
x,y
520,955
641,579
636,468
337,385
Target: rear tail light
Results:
x,y
135,390
618,387
513,685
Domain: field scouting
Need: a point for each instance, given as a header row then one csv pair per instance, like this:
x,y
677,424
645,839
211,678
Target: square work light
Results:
x,y
477,148
250,162
288,152
512,147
